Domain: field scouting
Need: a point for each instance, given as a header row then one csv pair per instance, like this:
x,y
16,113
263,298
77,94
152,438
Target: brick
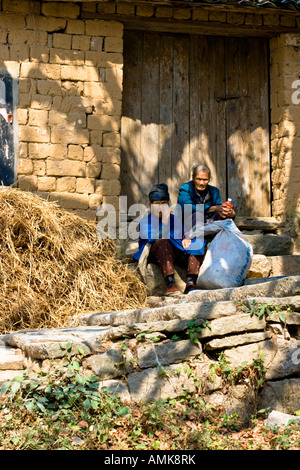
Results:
x,y
93,169
65,168
44,151
46,183
62,41
66,184
94,201
61,9
125,9
182,14
49,87
23,150
110,171
25,166
75,27
68,57
38,117
39,54
106,8
235,18
145,10
40,71
96,137
17,53
34,134
75,152
85,185
253,20
200,15
104,28
29,37
21,7
12,21
28,183
217,16
84,73
93,154
111,139
62,136
39,167
108,188
70,200
81,43
289,21
113,44
163,12
50,24
96,43
105,123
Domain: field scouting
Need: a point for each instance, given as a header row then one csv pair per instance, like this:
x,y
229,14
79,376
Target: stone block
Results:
x,y
85,185
60,10
11,358
285,265
167,353
282,396
25,166
261,267
66,184
46,183
271,244
65,168
61,41
34,134
110,171
71,201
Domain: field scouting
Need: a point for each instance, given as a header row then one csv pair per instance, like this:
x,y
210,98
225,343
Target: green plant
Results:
x,y
195,327
263,310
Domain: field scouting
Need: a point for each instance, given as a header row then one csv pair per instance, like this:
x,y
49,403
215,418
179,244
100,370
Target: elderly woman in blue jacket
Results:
x,y
199,191
163,232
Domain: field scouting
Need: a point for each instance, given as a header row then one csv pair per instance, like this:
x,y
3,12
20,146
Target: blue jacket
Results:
x,y
188,195
151,229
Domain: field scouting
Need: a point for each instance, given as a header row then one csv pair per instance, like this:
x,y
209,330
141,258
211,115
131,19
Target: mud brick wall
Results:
x,y
68,80
66,60
285,131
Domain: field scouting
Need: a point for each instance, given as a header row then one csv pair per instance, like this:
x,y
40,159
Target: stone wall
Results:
x,y
68,81
285,132
176,346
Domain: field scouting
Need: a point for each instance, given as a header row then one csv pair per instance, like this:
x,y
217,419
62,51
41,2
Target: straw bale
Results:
x,y
53,266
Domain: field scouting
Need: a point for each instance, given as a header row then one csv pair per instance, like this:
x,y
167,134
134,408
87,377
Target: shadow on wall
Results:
x,y
187,101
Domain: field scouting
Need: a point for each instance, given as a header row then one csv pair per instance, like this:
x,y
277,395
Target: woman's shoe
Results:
x,y
173,290
190,288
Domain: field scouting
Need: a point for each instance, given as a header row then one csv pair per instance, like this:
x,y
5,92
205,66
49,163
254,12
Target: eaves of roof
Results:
x,y
276,4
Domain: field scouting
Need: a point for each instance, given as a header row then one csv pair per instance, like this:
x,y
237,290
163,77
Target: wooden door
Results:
x,y
196,99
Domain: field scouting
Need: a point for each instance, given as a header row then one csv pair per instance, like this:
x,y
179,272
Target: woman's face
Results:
x,y
201,180
158,207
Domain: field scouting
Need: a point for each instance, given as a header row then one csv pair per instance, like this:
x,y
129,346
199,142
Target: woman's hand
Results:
x,y
186,243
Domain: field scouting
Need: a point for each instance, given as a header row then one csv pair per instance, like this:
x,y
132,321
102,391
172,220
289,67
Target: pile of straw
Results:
x,y
54,266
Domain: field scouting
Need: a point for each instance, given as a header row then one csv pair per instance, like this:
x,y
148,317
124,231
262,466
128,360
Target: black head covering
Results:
x,y
159,192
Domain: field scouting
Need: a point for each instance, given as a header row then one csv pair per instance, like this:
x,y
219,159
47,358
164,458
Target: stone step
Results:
x,y
268,244
12,362
164,314
265,224
270,266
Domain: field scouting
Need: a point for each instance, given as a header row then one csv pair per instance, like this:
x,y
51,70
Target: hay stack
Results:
x,y
53,266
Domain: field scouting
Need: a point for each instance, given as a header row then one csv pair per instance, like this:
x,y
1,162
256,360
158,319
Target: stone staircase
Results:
x,y
274,278
136,373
